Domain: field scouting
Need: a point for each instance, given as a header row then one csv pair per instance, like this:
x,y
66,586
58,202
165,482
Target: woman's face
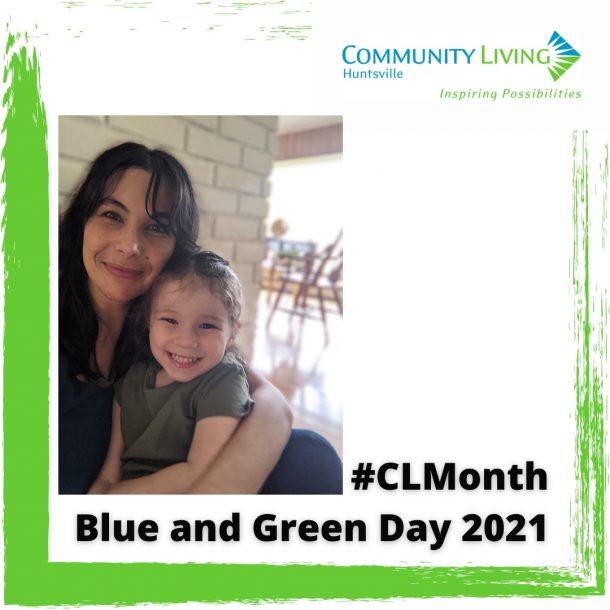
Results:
x,y
124,249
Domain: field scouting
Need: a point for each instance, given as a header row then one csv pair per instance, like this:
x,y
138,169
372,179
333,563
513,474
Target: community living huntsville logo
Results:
x,y
565,56
558,57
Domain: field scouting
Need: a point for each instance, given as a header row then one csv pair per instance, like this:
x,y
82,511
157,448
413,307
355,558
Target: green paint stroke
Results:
x,y
590,332
30,580
604,185
26,311
232,9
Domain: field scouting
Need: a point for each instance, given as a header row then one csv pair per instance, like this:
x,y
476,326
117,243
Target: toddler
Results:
x,y
174,413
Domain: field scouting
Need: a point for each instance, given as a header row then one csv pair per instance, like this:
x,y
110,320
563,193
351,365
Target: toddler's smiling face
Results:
x,y
189,329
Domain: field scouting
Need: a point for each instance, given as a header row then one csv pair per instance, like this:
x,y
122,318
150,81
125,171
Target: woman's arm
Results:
x,y
111,470
245,462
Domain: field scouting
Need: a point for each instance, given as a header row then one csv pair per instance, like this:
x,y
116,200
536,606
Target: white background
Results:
x,y
457,242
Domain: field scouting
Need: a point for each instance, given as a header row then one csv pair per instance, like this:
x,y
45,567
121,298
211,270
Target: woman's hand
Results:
x,y
246,460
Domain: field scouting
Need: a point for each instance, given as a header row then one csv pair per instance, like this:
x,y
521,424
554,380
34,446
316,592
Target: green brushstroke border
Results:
x,y
30,580
231,9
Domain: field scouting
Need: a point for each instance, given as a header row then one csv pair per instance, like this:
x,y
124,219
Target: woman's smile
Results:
x,y
122,272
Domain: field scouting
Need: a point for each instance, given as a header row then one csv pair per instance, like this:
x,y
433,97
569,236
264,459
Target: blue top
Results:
x,y
85,421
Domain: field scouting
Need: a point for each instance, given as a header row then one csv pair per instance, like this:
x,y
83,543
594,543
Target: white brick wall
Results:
x,y
210,122
203,143
200,171
236,179
216,201
167,129
243,129
257,160
249,251
228,227
269,121
70,173
229,160
258,207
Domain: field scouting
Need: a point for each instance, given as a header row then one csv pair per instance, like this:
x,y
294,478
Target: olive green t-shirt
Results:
x,y
158,423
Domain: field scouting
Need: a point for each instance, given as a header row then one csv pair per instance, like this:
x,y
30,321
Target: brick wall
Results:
x,y
229,159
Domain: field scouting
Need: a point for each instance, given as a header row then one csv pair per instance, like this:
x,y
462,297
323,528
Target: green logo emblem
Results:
x,y
564,55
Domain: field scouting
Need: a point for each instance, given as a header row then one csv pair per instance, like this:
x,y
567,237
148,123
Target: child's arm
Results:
x,y
211,434
111,470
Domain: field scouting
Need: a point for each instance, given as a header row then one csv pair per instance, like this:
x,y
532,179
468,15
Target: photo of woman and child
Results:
x,y
153,395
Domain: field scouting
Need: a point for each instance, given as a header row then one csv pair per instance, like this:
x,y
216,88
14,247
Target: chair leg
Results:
x,y
304,297
297,297
322,309
338,300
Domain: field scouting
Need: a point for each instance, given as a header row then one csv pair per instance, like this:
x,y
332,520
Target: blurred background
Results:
x,y
269,193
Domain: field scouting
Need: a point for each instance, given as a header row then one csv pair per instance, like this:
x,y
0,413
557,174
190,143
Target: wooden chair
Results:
x,y
282,256
313,278
333,282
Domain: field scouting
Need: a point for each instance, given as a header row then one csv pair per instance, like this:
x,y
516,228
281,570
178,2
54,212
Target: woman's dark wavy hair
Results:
x,y
78,324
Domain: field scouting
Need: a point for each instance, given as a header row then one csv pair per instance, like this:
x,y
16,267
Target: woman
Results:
x,y
134,213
